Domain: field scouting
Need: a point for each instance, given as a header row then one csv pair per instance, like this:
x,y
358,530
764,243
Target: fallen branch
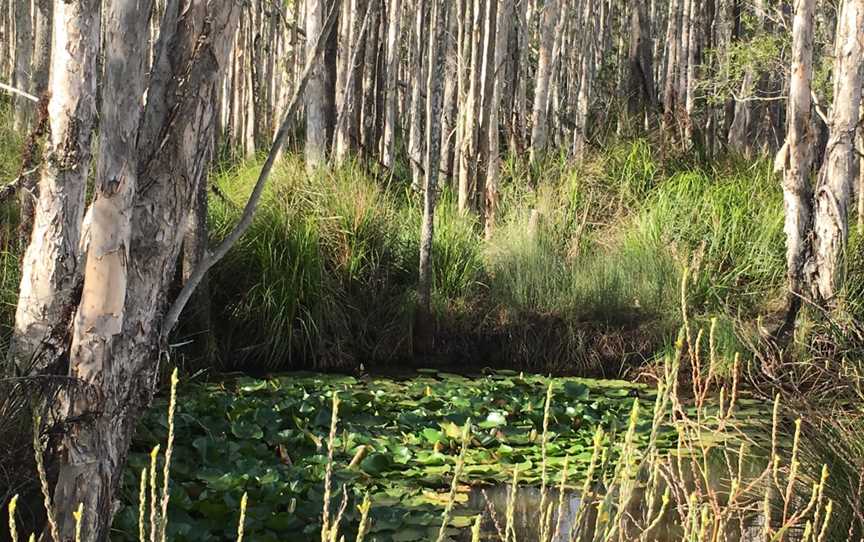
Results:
x,y
213,257
19,92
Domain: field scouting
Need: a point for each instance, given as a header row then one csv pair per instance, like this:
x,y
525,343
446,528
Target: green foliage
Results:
x,y
401,439
328,270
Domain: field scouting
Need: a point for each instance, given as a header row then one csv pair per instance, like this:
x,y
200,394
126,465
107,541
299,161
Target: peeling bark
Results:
x,y
50,268
834,192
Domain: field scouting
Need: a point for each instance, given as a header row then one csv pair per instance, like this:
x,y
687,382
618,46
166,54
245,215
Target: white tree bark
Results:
x,y
50,266
539,128
796,156
493,174
91,456
834,192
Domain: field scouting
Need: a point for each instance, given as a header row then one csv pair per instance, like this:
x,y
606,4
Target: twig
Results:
x,y
222,249
10,188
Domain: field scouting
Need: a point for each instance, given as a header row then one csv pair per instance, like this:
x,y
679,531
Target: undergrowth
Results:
x,y
578,276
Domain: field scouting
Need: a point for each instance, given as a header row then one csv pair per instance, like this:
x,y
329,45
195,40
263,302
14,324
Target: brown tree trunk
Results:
x,y
641,93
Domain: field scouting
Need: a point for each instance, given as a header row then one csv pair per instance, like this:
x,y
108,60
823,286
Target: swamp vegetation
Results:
x,y
432,270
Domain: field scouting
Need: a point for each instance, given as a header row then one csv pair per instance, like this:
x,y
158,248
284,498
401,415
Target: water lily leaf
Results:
x,y
433,435
576,390
375,464
247,430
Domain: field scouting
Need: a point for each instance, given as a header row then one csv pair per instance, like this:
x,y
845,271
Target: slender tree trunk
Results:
x,y
468,154
369,80
392,79
539,124
796,156
672,41
493,175
433,156
315,99
589,30
449,108
641,94
834,192
48,279
415,134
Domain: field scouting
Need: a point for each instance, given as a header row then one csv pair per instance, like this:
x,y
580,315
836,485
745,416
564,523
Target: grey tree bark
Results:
x,y
391,71
493,173
23,59
316,102
432,162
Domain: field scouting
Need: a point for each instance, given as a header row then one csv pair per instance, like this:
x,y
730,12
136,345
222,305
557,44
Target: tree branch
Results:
x,y
19,92
10,188
212,258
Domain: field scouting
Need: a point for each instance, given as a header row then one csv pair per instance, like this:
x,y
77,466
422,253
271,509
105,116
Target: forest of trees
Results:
x,y
125,108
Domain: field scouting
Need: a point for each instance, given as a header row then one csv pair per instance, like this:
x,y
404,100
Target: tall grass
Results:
x,y
327,272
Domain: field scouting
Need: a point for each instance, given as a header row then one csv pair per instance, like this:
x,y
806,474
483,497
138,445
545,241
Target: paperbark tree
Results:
x,y
91,468
835,188
23,58
315,146
641,94
50,266
415,130
493,174
391,71
795,158
539,128
433,156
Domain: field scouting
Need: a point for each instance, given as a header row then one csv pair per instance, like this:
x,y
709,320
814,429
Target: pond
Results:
x,y
397,440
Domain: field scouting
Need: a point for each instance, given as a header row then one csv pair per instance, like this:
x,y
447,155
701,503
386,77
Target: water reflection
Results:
x,y
492,502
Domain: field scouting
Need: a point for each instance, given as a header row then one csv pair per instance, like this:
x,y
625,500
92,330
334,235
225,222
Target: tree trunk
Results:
x,y
169,164
23,58
833,195
388,144
468,154
415,132
433,156
589,31
539,128
316,101
493,174
50,268
92,464
640,94
796,156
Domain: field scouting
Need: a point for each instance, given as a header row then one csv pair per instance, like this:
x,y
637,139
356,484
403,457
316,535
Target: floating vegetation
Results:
x,y
400,441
